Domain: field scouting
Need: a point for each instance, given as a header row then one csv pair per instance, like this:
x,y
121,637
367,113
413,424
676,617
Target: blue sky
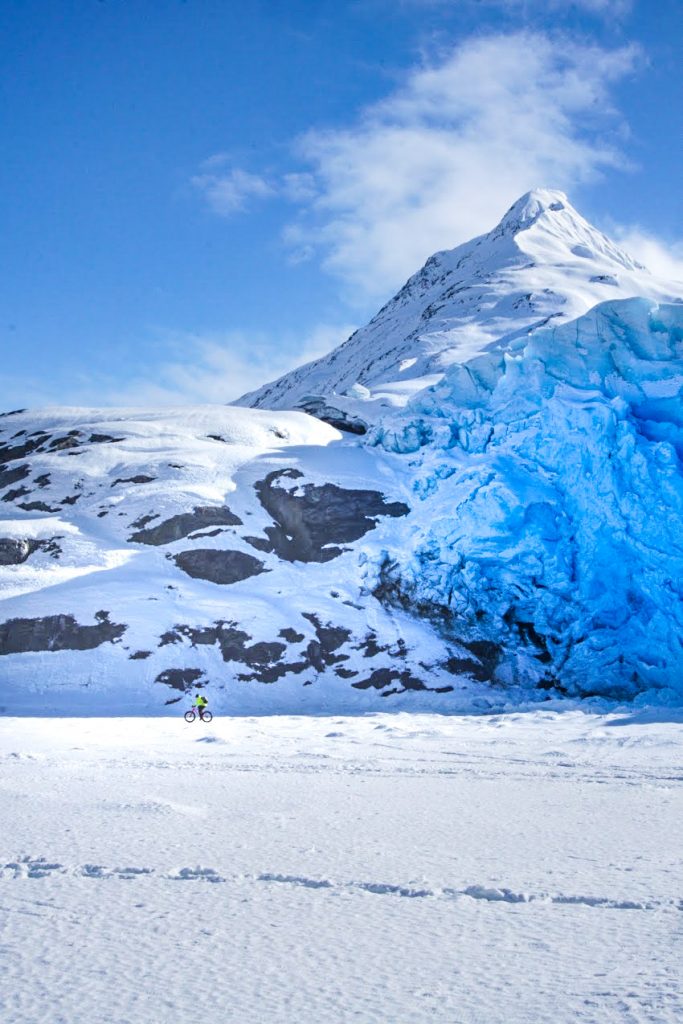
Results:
x,y
199,194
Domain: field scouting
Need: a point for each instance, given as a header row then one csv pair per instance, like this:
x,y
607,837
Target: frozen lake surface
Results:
x,y
518,868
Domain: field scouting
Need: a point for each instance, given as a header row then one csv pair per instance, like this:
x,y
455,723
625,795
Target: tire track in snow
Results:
x,y
26,867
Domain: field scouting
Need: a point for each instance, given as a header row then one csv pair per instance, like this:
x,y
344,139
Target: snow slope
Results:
x,y
146,553
506,869
543,263
511,520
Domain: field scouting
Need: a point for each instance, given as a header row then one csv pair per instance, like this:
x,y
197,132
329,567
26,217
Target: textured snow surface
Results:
x,y
509,869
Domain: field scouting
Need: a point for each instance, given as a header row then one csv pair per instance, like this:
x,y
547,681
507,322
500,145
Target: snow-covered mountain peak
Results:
x,y
543,263
543,223
532,205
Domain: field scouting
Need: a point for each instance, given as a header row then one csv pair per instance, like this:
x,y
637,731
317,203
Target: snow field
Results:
x,y
504,869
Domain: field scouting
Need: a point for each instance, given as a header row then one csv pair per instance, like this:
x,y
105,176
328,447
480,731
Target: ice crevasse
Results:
x,y
549,494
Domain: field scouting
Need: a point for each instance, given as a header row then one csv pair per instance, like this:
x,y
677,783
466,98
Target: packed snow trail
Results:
x,y
504,869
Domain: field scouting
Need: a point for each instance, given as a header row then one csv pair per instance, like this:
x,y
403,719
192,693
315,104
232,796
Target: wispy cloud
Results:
x,y
218,367
228,191
663,259
609,8
439,160
533,8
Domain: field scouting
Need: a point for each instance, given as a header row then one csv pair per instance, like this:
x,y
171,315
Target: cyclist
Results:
x,y
200,703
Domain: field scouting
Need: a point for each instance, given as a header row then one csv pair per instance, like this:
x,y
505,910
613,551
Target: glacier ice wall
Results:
x,y
548,534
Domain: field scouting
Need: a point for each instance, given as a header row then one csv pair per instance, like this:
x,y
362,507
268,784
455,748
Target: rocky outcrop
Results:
x,y
57,633
392,680
13,476
235,645
139,478
311,520
14,550
180,678
218,565
180,526
337,418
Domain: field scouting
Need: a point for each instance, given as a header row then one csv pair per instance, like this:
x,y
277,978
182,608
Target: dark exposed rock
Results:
x,y
8,453
139,478
143,520
13,412
70,499
529,636
71,440
13,476
50,546
37,506
103,439
487,654
482,666
321,652
139,655
265,661
57,633
218,565
181,525
370,647
311,519
234,645
383,677
18,492
14,551
317,406
170,637
181,678
291,635
43,480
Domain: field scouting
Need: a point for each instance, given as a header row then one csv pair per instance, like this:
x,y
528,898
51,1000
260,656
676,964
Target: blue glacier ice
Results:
x,y
548,479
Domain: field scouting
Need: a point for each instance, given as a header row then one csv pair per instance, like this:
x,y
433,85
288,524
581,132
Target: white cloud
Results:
x,y
663,259
299,187
613,8
229,192
533,8
219,367
442,158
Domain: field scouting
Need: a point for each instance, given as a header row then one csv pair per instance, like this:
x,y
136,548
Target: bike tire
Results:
x,y
190,716
206,716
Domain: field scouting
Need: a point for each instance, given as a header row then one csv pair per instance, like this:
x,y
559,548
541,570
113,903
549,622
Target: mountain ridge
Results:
x,y
543,262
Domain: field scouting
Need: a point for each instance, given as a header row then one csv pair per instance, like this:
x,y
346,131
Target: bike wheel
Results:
x,y
190,716
207,716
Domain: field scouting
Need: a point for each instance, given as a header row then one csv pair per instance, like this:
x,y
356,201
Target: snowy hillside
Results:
x,y
506,522
144,553
543,264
